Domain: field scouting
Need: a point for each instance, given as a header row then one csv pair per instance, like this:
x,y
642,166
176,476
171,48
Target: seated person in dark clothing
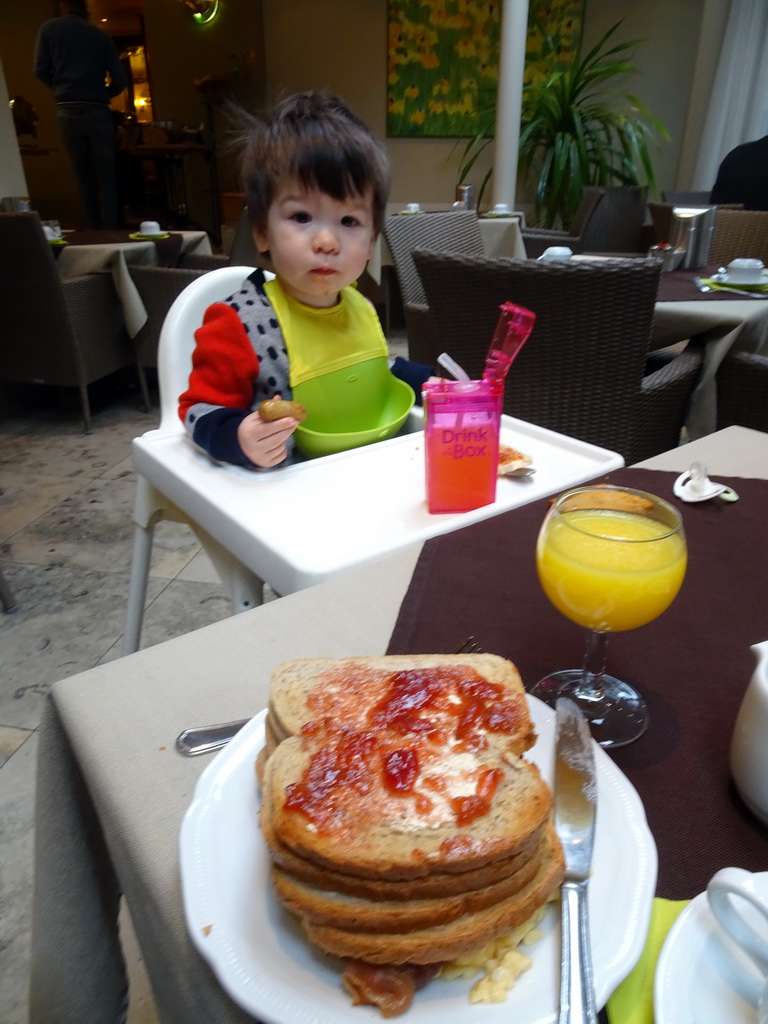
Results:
x,y
743,176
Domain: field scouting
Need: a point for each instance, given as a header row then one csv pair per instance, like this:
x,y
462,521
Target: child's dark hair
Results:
x,y
318,141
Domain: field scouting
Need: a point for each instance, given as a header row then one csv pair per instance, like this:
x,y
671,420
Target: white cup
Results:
x,y
738,900
556,254
745,271
412,208
48,232
149,227
501,209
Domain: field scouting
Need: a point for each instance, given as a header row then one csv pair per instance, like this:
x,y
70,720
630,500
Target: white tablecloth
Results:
x,y
501,237
740,325
75,260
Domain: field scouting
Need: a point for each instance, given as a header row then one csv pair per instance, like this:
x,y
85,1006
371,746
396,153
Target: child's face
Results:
x,y
317,244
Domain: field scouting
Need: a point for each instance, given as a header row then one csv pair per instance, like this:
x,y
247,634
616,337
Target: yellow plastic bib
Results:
x,y
339,367
320,341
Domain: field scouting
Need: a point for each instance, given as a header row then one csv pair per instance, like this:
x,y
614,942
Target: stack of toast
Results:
x,y
404,823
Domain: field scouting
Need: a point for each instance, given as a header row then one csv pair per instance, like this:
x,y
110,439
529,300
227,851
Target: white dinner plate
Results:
x,y
259,954
702,977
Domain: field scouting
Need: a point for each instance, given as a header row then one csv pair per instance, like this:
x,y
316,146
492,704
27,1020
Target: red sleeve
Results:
x,y
224,365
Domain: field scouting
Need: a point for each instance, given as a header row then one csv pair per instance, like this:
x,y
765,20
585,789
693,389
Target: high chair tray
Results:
x,y
300,525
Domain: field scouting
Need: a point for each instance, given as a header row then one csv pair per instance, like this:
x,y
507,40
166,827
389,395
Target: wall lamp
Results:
x,y
203,11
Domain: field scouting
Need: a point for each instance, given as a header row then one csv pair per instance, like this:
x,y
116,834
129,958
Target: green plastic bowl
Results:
x,y
351,407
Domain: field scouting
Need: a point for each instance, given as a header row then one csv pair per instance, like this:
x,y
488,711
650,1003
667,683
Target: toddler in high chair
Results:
x,y
316,183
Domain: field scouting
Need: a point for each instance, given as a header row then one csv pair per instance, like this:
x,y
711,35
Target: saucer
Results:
x,y
145,238
57,241
727,278
701,975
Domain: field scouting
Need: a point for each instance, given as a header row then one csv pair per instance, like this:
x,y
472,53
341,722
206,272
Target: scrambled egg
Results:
x,y
500,961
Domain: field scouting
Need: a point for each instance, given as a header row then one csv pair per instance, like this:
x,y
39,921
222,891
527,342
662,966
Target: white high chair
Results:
x,y
300,524
159,466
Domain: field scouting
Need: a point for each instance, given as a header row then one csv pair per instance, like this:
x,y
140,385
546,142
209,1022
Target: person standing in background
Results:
x,y
80,63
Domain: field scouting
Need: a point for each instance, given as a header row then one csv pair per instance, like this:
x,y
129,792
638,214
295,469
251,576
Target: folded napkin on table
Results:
x,y
713,282
632,1002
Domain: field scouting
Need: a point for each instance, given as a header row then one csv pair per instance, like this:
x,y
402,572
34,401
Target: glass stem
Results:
x,y
593,666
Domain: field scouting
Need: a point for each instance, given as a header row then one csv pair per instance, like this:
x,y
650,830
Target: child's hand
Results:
x,y
264,443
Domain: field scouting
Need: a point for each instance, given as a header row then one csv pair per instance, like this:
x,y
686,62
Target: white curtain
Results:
x,y
738,109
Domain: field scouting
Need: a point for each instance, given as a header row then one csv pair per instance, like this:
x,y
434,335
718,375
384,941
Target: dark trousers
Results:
x,y
88,134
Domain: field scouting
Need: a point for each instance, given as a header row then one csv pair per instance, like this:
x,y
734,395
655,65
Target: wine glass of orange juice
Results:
x,y
609,558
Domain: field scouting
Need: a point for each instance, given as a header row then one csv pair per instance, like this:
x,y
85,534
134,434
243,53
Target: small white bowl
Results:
x,y
412,208
746,271
501,209
150,227
556,254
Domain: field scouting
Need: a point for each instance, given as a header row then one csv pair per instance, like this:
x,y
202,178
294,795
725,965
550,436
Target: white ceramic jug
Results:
x,y
749,745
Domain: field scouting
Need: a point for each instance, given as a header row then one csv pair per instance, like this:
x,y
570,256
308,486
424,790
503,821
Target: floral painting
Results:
x,y
443,60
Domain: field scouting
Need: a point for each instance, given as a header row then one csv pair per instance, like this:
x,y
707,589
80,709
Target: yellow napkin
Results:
x,y
632,1002
712,282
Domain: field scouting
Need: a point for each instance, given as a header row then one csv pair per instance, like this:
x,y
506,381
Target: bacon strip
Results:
x,y
388,987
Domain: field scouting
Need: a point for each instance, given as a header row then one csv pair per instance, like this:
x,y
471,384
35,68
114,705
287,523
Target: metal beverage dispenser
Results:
x,y
692,231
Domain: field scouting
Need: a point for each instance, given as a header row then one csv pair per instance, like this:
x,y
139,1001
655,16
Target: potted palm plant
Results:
x,y
577,130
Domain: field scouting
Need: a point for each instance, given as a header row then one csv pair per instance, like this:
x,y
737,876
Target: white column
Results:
x,y
12,179
514,31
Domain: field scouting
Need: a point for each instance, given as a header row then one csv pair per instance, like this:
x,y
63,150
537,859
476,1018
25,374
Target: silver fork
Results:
x,y
735,291
468,646
204,739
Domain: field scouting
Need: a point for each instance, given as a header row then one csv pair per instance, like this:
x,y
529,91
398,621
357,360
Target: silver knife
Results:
x,y
575,809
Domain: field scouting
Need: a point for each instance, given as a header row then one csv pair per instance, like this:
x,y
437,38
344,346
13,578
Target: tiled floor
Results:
x,y
65,549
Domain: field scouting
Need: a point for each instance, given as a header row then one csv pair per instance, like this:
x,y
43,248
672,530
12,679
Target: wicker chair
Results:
x,y
453,232
739,233
582,372
60,333
742,391
159,286
536,240
616,225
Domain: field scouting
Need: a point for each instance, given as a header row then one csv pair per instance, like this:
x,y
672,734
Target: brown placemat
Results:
x,y
693,664
678,286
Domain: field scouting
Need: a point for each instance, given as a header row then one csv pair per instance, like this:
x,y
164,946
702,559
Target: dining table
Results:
x,y
501,236
105,251
718,321
113,791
